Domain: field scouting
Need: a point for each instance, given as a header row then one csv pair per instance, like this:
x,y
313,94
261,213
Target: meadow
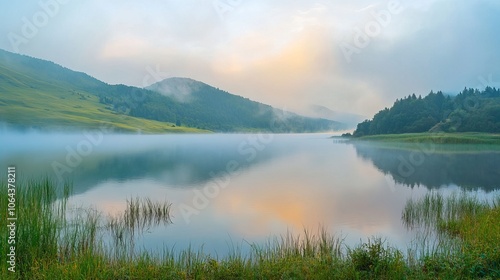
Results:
x,y
56,106
57,241
437,138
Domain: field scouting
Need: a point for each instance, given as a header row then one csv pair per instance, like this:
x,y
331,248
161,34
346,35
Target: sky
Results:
x,y
350,56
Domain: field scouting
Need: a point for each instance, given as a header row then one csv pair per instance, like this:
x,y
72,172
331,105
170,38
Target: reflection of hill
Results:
x,y
177,167
469,170
175,161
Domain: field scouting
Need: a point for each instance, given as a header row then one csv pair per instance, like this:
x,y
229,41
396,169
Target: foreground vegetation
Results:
x,y
57,242
437,138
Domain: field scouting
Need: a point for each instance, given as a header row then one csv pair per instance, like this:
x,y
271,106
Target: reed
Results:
x,y
433,209
48,233
457,235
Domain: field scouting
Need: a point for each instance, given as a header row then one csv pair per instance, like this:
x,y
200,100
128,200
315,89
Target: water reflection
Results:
x,y
286,183
178,161
435,166
300,181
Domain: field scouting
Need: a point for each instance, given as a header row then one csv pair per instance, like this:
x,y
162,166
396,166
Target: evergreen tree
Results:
x,y
470,110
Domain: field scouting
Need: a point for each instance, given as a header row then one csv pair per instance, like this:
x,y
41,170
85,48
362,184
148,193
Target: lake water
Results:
x,y
233,190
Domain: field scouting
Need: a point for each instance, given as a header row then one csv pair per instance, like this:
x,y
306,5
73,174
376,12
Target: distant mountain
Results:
x,y
180,89
200,105
348,120
41,94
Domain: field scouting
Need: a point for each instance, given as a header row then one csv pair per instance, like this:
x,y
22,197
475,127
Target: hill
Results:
x,y
41,94
348,120
471,110
200,105
38,94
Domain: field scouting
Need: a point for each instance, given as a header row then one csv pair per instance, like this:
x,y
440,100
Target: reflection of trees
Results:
x,y
176,167
410,167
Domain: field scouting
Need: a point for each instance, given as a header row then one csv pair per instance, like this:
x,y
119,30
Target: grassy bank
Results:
x,y
437,138
54,241
468,235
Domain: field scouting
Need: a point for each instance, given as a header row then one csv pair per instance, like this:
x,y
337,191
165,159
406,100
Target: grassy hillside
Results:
x,y
44,95
28,101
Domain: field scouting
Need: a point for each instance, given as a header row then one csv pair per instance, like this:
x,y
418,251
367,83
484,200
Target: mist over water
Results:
x,y
235,189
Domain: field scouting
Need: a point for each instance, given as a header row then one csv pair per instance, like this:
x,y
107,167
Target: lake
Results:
x,y
231,190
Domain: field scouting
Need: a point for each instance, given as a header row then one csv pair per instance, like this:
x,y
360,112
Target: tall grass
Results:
x,y
434,209
49,233
457,234
55,241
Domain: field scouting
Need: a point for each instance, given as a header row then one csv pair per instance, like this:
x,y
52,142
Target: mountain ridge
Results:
x,y
77,99
349,120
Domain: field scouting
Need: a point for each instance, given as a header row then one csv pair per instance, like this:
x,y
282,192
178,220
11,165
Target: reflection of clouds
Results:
x,y
318,184
307,191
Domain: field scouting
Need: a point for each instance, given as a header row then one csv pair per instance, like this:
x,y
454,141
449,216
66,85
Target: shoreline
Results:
x,y
436,138
467,224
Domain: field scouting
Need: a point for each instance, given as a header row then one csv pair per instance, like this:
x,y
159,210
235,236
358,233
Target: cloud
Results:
x,y
286,53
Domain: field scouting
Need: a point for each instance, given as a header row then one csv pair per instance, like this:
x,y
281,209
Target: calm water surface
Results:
x,y
231,190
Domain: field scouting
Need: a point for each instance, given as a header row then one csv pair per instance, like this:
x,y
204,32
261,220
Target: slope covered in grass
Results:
x,y
41,94
47,103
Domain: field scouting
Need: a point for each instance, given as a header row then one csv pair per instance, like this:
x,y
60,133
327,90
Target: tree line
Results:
x,y
472,110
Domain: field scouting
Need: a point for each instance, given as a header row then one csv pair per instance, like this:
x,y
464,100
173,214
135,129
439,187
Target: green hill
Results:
x,y
202,105
471,110
40,94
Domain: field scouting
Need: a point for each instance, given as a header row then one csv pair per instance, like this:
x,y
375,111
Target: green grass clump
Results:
x,y
468,234
436,210
373,259
480,249
50,236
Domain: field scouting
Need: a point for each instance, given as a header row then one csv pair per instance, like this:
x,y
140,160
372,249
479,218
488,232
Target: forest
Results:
x,y
471,110
209,108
